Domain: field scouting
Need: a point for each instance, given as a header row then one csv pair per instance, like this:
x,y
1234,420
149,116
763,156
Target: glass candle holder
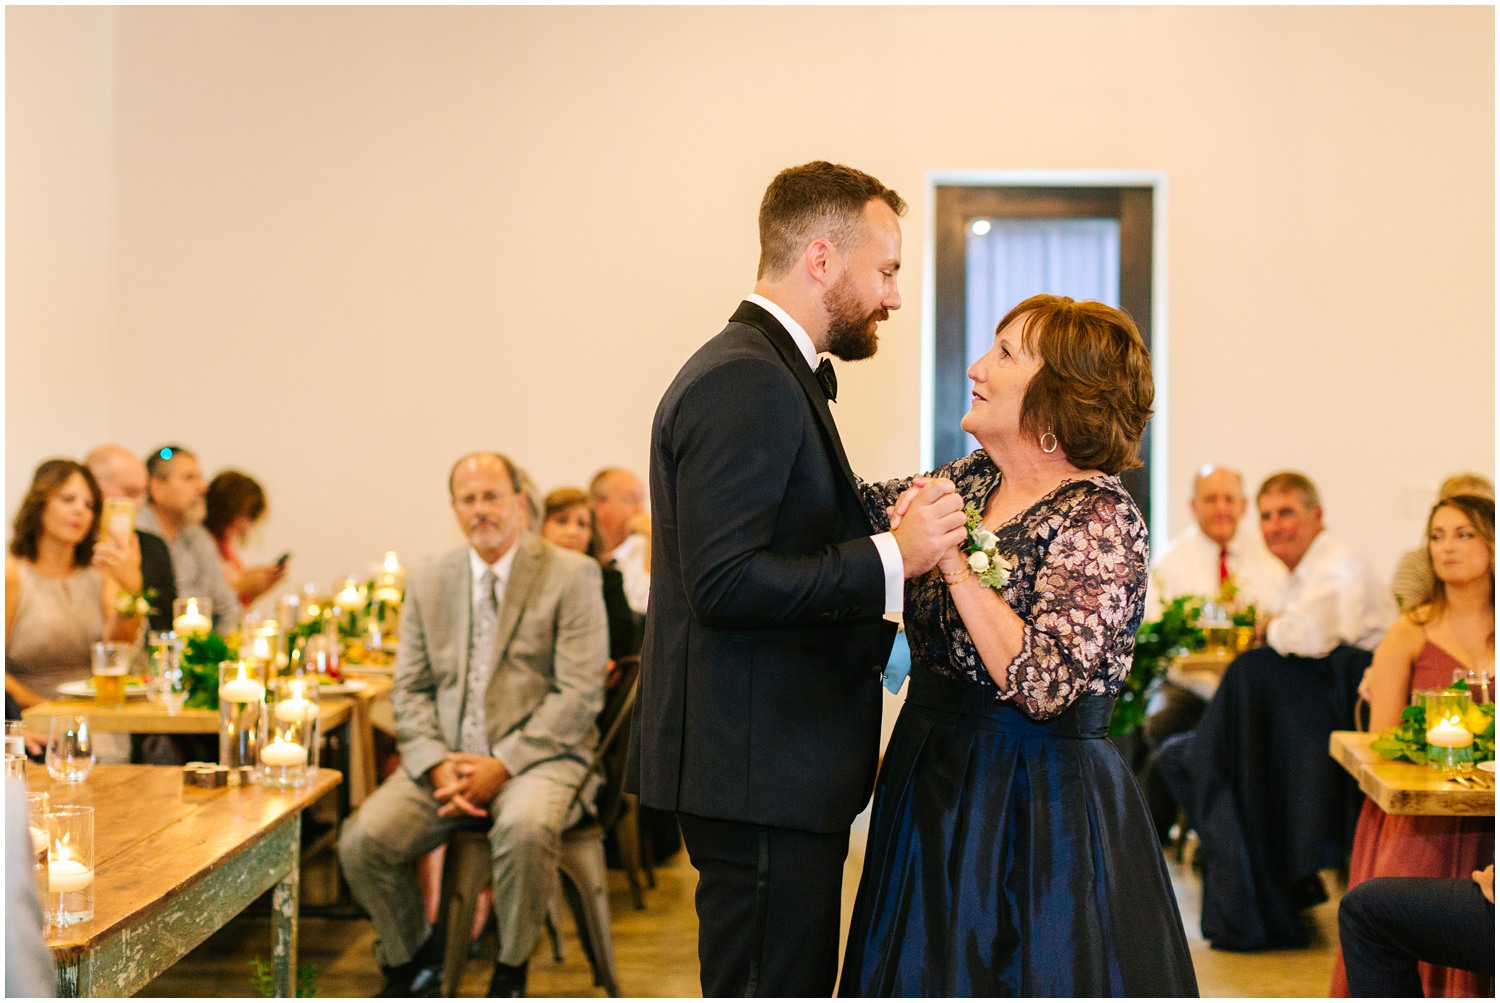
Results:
x,y
289,745
167,688
242,696
70,865
15,766
192,615
263,643
1450,744
37,805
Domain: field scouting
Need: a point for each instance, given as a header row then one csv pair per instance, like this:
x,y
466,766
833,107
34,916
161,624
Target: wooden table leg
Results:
x,y
284,921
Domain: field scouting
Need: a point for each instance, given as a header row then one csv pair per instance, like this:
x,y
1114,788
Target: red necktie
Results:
x,y
1223,565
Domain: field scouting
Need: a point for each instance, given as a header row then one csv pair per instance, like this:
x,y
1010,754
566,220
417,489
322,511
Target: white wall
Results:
x,y
337,247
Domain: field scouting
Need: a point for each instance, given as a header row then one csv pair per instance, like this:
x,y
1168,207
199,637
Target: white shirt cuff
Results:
x,y
895,578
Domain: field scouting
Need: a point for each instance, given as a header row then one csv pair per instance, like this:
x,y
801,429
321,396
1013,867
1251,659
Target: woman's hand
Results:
x,y
902,505
120,562
252,583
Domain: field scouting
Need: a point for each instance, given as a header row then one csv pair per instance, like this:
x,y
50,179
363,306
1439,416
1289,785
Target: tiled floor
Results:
x,y
656,949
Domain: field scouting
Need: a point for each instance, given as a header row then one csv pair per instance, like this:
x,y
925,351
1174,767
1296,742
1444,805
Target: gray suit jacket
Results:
x,y
551,647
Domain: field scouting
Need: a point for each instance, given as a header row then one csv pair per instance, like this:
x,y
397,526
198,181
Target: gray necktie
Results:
x,y
472,736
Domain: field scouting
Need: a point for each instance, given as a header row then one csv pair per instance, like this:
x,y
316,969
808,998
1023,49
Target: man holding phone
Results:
x,y
122,480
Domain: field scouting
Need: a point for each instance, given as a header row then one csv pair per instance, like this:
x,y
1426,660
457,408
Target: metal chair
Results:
x,y
580,866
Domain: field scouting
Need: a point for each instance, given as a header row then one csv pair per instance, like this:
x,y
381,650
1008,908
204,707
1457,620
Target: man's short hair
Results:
x,y
811,201
513,472
1290,480
159,461
602,478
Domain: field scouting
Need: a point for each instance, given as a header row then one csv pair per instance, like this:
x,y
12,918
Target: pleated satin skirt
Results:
x,y
1009,857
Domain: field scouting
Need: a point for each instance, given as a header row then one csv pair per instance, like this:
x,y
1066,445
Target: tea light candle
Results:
x,y
64,874
242,690
348,599
1448,733
283,753
191,621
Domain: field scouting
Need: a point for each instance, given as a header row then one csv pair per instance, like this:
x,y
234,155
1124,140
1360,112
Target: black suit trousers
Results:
x,y
1387,925
768,907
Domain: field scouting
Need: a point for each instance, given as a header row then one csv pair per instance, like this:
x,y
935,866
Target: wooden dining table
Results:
x,y
1402,788
1199,672
174,862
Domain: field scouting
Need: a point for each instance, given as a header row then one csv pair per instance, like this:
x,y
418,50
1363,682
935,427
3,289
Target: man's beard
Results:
x,y
851,331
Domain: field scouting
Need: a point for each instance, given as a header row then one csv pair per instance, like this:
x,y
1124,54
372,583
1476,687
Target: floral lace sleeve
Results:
x,y
878,497
1085,603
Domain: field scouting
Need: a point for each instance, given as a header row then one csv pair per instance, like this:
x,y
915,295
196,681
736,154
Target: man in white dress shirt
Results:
x,y
624,530
1333,596
1217,548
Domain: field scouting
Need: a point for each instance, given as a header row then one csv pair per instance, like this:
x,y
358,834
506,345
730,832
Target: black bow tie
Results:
x,y
828,380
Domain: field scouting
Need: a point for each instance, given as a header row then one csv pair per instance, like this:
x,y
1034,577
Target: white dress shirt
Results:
x,y
1332,597
630,560
885,543
1189,566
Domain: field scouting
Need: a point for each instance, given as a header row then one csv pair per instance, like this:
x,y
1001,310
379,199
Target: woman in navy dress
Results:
x,y
1010,852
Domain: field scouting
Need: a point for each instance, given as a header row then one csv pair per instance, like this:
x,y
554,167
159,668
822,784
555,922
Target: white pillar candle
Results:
x,y
283,753
1449,734
64,874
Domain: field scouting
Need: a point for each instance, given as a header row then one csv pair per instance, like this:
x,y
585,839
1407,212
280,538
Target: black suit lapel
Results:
x,y
762,320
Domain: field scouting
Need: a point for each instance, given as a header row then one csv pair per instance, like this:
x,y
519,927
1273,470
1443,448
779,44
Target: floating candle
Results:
x,y
65,874
283,753
191,621
294,710
242,690
1448,733
348,599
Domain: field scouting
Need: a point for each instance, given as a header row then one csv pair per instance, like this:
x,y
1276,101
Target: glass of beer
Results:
x,y
117,520
111,665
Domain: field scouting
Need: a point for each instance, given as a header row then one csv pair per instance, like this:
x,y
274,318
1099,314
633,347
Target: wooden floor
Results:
x,y
656,949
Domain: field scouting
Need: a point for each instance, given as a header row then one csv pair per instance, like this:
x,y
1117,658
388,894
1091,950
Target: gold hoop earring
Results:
x,y
1043,442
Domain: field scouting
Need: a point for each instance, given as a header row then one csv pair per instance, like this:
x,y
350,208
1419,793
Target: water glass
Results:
x,y
15,767
15,737
70,865
70,748
168,686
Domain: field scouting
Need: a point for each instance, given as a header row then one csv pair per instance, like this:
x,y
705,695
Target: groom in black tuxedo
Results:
x,y
758,718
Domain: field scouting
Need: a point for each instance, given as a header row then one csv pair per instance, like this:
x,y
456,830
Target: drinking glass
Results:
x,y
15,767
70,748
168,687
111,666
15,737
1480,684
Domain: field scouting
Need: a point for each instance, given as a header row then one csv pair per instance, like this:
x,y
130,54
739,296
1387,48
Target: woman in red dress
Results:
x,y
1452,631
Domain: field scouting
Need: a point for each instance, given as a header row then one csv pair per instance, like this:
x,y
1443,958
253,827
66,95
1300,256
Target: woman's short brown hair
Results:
x,y
46,482
232,494
1094,389
564,498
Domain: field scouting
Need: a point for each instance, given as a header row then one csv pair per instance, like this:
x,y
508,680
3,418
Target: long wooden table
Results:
x,y
1402,788
174,863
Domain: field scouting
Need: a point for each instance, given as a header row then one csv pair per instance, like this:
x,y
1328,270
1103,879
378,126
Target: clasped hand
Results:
x,y
466,784
928,522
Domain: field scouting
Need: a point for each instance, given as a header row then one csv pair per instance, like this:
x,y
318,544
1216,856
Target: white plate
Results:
x,y
344,688
1487,767
81,688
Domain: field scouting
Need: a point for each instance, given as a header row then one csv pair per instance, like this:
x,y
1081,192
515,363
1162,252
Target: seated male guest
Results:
x,y
624,530
1216,551
1388,925
1270,807
499,678
174,512
1332,596
121,474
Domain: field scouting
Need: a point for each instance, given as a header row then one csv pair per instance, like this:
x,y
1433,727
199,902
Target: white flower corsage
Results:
x,y
985,560
136,604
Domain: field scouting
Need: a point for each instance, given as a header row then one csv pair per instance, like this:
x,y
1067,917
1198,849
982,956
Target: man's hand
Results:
x,y
927,521
469,784
1485,879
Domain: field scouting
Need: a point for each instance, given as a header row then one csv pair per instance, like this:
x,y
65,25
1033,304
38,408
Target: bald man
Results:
x,y
619,503
499,679
122,474
1214,549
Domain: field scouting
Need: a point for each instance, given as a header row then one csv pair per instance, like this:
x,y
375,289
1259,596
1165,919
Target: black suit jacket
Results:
x,y
156,573
759,689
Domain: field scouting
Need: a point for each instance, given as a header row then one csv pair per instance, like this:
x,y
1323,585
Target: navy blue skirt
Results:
x,y
1009,857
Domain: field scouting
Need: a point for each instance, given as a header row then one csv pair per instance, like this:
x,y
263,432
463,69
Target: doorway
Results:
x,y
1000,239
